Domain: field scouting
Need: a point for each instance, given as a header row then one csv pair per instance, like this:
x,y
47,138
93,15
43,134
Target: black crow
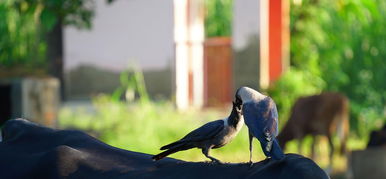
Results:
x,y
212,135
261,118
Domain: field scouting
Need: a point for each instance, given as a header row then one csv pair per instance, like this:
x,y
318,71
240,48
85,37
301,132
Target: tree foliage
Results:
x,y
218,18
342,44
24,24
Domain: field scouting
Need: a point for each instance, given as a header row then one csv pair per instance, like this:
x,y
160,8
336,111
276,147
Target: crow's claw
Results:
x,y
250,164
215,161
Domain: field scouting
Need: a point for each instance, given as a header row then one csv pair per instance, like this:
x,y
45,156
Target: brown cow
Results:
x,y
323,114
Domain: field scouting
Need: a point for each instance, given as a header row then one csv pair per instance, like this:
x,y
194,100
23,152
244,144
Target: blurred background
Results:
x,y
138,74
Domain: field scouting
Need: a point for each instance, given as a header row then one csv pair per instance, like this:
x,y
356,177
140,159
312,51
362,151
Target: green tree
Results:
x,y
218,18
342,43
31,30
20,42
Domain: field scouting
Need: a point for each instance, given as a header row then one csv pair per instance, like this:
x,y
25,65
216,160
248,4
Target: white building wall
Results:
x,y
189,38
124,32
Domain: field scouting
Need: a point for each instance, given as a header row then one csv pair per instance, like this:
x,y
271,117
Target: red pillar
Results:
x,y
274,39
278,38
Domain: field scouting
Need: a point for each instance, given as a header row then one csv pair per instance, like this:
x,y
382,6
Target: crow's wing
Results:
x,y
206,131
273,118
261,119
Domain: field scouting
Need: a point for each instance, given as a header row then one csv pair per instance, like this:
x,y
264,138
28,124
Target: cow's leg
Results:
x,y
331,145
300,144
344,136
313,143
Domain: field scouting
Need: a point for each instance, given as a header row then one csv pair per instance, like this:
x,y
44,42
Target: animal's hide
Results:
x,y
32,151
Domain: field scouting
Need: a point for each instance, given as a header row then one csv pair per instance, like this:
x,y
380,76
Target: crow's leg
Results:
x,y
250,148
300,144
206,151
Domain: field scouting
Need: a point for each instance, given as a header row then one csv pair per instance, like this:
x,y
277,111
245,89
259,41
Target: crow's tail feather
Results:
x,y
276,152
172,145
164,154
179,147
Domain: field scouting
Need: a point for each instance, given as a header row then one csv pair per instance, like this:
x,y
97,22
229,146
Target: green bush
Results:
x,y
293,84
339,46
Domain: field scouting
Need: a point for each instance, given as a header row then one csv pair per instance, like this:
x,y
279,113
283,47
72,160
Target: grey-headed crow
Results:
x,y
261,117
212,135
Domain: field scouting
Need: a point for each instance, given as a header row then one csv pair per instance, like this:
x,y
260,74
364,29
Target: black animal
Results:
x,y
32,151
214,134
377,138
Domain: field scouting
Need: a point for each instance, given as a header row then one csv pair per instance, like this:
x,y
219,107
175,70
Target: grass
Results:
x,y
145,127
322,151
148,126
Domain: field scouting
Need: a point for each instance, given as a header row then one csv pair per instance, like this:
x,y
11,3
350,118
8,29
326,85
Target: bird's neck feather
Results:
x,y
233,120
250,95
